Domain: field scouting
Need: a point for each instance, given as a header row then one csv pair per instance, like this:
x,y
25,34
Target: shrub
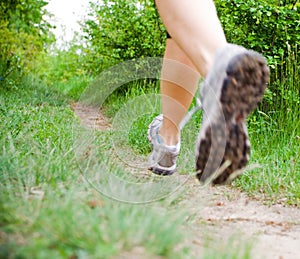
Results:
x,y
23,33
122,30
268,27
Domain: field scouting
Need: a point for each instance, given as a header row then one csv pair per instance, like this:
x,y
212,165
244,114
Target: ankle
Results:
x,y
170,135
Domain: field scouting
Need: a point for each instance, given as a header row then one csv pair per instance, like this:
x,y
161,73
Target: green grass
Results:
x,y
275,141
234,247
47,208
74,87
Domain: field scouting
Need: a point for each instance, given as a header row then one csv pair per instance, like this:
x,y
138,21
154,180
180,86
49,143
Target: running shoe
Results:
x,y
230,92
163,157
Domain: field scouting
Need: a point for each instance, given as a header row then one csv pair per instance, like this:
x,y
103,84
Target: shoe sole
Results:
x,y
242,89
161,172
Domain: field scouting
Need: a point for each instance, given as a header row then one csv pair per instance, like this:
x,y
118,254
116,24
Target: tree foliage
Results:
x,y
122,30
23,33
270,27
126,29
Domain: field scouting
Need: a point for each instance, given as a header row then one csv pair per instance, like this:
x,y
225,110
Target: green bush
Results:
x,y
23,33
268,27
127,29
60,65
122,30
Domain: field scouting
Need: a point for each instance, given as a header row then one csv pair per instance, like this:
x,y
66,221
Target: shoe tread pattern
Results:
x,y
242,90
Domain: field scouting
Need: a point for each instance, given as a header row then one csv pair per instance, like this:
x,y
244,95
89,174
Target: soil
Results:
x,y
225,215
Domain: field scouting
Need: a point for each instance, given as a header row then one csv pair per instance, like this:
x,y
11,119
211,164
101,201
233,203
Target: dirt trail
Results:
x,y
220,213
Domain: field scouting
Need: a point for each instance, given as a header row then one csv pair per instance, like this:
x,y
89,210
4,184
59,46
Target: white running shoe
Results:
x,y
163,158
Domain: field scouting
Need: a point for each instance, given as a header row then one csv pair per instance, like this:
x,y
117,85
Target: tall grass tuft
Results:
x,y
275,136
